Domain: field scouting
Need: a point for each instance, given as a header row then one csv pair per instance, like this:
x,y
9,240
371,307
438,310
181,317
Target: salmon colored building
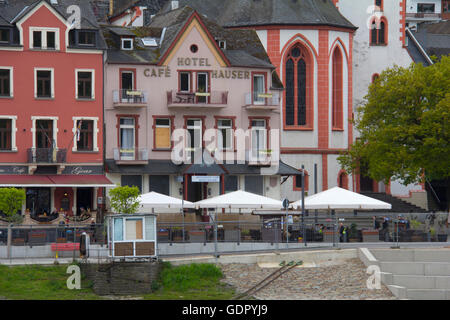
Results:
x,y
51,106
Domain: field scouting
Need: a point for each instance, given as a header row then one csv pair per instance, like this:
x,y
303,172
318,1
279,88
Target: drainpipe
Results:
x,y
111,7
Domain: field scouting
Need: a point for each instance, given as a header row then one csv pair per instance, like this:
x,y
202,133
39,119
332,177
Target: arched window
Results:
x,y
297,81
337,90
378,31
375,76
379,4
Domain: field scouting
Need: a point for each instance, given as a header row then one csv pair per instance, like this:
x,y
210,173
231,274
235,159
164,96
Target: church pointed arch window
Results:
x,y
298,93
337,115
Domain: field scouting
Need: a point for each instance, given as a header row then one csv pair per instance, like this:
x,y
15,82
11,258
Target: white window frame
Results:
x,y
127,39
127,126
44,38
95,131
11,80
256,130
230,135
92,71
257,100
55,128
52,84
13,132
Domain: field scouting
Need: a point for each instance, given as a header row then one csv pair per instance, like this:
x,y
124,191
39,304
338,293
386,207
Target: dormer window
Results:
x,y
44,38
4,35
86,38
127,44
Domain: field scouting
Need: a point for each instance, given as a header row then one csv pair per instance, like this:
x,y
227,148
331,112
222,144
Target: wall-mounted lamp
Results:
x,y
24,130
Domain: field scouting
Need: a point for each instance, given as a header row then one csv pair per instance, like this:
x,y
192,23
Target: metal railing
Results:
x,y
47,155
197,98
134,154
130,97
263,99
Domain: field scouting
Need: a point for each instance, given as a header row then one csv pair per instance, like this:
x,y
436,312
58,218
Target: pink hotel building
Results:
x,y
185,72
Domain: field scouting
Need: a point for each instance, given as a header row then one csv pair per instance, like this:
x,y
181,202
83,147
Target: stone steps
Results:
x,y
417,268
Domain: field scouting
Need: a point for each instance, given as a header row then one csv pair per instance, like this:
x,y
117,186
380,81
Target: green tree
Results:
x,y
11,200
404,125
124,199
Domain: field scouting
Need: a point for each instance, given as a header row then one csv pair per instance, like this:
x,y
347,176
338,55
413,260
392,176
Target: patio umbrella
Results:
x,y
338,198
240,200
155,200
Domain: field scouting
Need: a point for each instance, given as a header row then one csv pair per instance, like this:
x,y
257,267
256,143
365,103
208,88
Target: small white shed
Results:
x,y
132,235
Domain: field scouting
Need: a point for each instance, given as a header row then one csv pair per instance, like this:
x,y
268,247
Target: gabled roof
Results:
x,y
245,13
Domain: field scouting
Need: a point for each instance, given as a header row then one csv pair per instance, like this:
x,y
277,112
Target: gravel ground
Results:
x,y
336,282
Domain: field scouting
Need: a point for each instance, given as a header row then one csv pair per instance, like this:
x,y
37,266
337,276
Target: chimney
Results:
x,y
175,5
111,7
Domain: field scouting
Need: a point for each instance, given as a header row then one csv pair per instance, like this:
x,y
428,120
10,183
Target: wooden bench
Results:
x,y
65,246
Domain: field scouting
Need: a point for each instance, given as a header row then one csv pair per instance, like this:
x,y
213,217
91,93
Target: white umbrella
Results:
x,y
240,200
338,198
154,200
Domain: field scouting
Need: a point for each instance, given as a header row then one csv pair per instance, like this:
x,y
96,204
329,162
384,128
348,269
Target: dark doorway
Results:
x,y
84,199
38,200
366,184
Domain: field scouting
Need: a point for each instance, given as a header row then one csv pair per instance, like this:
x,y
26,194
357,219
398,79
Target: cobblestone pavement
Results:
x,y
336,282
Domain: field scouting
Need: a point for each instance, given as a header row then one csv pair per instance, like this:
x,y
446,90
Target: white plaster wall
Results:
x,y
308,160
262,34
333,170
411,5
311,35
398,189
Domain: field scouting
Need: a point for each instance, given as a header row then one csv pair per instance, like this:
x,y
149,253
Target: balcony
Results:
x,y
213,99
262,101
133,156
131,98
259,157
47,156
424,16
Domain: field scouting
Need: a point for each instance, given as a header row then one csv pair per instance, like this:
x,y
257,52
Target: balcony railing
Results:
x,y
130,97
262,99
47,155
130,155
189,99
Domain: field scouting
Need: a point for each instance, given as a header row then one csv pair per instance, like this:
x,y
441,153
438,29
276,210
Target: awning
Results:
x,y
28,181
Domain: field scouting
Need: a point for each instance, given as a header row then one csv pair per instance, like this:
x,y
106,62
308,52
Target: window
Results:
x,y
202,87
5,82
225,134
337,91
127,44
44,134
259,88
298,181
254,184
378,33
259,139
425,8
84,85
127,138
44,38
379,4
231,183
5,134
160,184
44,84
162,133
132,181
4,35
86,38
134,229
446,6
185,81
298,95
194,140
85,135
37,39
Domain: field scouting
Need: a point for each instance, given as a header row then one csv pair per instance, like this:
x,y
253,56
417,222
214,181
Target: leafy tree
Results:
x,y
124,199
404,125
11,200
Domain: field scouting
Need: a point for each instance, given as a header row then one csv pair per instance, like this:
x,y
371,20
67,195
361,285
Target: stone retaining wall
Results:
x,y
122,278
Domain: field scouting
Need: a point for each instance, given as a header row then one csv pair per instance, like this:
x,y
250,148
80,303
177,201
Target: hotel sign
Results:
x,y
205,179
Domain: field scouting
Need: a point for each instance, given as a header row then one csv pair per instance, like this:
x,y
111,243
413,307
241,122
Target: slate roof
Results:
x,y
434,38
13,10
243,47
240,13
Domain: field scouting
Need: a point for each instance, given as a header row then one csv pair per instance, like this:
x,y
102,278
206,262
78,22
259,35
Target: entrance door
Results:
x,y
84,199
127,84
38,200
202,86
44,134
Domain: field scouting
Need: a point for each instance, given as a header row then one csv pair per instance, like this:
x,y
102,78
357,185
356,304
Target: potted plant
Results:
x,y
353,233
417,235
432,234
